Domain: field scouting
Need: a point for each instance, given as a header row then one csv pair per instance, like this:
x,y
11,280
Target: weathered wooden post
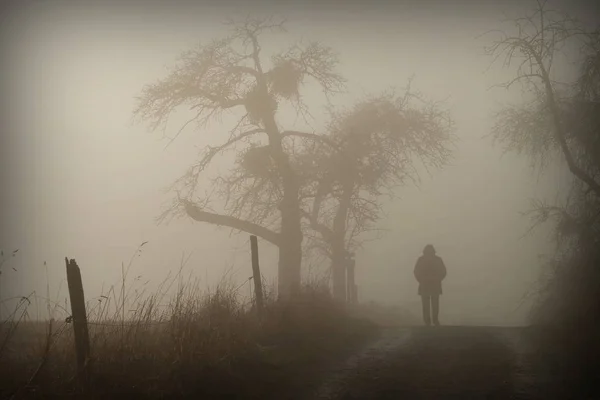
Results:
x,y
79,319
256,275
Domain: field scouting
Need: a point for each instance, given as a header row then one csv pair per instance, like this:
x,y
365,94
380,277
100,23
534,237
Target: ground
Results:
x,y
445,363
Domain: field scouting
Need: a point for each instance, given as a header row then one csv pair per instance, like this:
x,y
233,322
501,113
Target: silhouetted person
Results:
x,y
430,271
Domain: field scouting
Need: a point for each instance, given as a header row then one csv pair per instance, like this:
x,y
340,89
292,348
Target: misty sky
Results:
x,y
86,183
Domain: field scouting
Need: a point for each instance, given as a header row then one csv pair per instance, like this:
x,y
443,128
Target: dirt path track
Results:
x,y
440,363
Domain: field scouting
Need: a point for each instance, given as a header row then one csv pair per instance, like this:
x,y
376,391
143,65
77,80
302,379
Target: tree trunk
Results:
x,y
338,251
351,291
338,269
290,250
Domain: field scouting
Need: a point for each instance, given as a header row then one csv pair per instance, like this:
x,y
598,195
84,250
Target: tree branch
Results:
x,y
312,136
324,231
223,103
538,50
190,178
243,70
560,134
197,214
508,85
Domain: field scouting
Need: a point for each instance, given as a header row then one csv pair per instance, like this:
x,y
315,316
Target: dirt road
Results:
x,y
442,363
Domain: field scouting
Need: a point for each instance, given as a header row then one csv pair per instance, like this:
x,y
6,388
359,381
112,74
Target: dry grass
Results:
x,y
201,344
565,325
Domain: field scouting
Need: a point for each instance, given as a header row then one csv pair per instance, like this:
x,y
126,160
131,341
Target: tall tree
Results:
x,y
379,144
564,119
546,122
231,74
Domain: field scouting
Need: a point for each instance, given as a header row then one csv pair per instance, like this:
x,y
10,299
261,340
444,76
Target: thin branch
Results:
x,y
312,136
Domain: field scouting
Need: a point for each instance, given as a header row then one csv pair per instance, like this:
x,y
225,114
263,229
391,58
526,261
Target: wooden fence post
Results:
x,y
79,319
256,275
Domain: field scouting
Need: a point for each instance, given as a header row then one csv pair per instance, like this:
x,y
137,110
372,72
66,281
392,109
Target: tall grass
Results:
x,y
179,341
566,315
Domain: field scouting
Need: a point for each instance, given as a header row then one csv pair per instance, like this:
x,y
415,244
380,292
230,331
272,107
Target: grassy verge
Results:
x,y
203,345
566,327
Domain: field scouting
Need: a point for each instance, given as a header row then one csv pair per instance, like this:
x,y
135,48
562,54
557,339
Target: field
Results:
x,y
204,344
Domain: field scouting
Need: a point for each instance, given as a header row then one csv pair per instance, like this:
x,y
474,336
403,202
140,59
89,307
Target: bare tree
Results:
x,y
230,74
544,124
562,118
379,145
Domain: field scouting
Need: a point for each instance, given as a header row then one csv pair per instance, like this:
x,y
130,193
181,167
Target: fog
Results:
x,y
82,181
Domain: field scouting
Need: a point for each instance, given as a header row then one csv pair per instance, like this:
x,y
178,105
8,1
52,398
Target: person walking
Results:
x,y
430,271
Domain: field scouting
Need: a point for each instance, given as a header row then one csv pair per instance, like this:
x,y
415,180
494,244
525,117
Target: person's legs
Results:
x,y
435,308
425,300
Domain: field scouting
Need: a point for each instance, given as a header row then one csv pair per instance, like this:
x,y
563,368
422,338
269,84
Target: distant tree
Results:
x,y
558,115
378,145
561,119
231,74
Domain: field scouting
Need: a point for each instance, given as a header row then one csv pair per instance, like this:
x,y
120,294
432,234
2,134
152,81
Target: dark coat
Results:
x,y
429,272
